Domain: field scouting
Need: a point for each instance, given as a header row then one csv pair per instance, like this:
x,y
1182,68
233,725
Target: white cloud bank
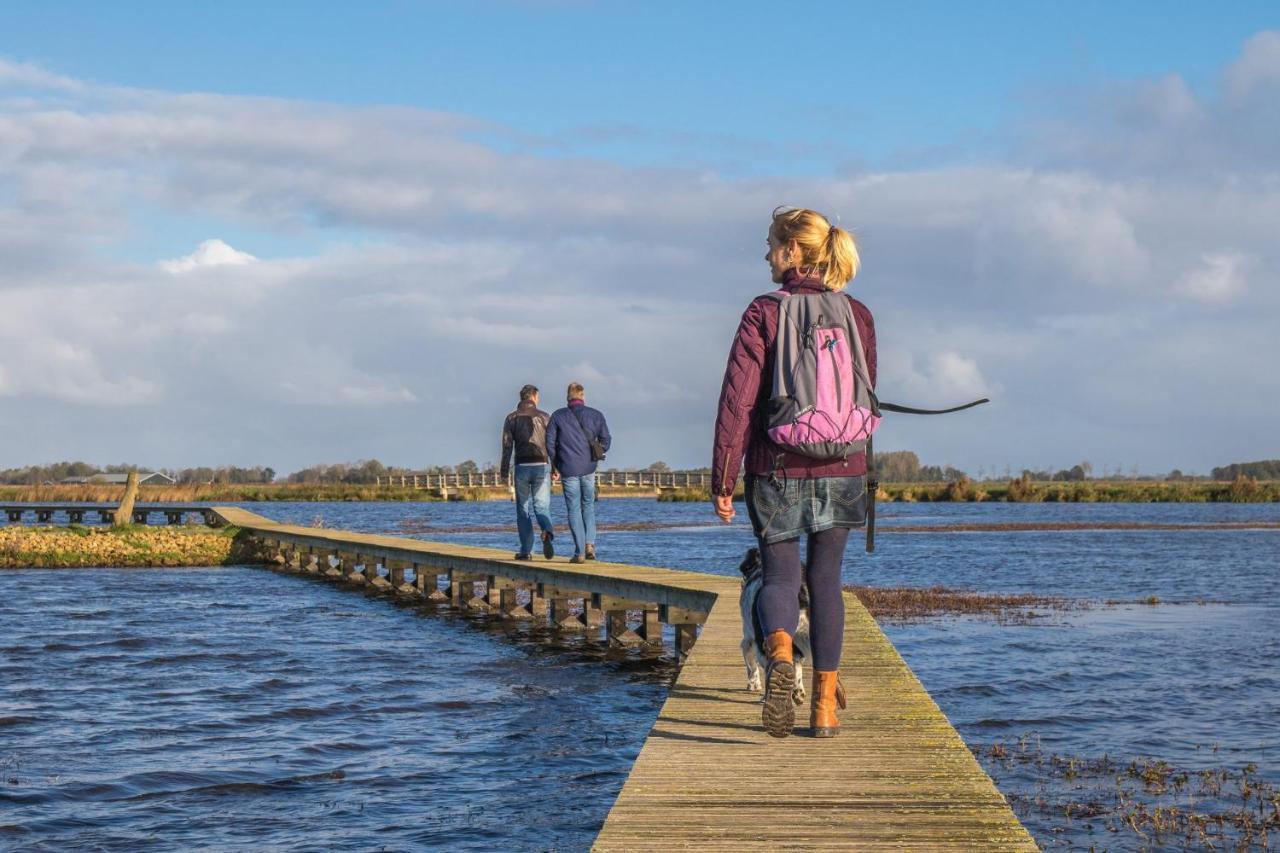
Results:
x,y
1119,269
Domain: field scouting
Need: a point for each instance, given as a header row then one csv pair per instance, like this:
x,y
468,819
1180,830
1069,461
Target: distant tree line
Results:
x,y
903,466
1267,469
56,472
899,466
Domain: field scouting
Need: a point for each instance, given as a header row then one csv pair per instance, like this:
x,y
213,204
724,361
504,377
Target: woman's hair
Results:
x,y
824,247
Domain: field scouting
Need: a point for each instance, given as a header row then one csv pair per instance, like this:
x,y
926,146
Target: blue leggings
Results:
x,y
779,601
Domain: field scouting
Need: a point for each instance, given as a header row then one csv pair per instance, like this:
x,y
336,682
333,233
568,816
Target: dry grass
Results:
x,y
132,545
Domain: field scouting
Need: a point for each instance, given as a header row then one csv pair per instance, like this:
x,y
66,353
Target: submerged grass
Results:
x,y
909,604
1139,802
130,546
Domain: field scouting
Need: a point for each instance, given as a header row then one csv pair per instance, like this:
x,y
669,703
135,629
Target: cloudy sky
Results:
x,y
316,234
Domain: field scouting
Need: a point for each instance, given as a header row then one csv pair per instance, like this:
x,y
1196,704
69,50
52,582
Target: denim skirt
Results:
x,y
782,509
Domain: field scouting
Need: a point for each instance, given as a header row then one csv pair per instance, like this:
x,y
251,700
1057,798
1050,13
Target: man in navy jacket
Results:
x,y
569,451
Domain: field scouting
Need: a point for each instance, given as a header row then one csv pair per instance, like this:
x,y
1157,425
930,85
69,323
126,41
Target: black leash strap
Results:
x,y
873,481
912,410
873,485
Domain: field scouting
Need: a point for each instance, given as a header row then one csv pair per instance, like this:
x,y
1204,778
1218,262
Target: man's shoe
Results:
x,y
779,711
548,550
577,558
828,693
591,552
520,556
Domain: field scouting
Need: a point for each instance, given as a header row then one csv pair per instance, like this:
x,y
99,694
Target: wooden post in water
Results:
x,y
124,513
686,636
330,569
651,628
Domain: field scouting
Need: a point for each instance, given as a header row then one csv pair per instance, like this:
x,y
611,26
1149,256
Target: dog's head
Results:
x,y
750,566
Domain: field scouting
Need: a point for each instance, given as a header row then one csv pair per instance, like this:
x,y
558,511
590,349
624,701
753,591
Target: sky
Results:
x,y
292,233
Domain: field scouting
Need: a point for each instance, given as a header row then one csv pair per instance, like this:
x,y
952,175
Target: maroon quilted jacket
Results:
x,y
744,396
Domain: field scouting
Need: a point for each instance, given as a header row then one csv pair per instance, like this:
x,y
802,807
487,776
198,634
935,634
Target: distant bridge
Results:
x,y
639,480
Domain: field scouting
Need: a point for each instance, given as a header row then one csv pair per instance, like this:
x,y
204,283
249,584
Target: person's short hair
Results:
x,y
528,392
576,391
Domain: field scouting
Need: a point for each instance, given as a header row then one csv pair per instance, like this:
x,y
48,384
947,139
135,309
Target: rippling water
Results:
x,y
161,709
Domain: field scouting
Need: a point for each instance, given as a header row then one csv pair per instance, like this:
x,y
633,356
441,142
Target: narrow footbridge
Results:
x,y
106,513
708,777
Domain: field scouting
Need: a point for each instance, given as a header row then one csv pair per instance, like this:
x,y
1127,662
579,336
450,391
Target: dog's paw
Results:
x,y
798,695
755,683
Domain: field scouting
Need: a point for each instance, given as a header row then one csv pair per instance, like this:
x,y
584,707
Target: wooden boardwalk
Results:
x,y
897,777
708,777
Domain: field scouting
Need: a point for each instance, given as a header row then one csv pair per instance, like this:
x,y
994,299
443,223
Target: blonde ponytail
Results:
x,y
840,257
824,247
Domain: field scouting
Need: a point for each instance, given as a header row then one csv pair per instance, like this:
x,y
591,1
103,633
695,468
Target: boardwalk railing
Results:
x,y
105,513
707,777
492,479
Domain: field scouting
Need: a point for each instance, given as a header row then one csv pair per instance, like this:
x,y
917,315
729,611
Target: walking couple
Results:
x,y
565,447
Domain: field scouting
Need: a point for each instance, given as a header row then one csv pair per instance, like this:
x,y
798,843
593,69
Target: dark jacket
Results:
x,y
525,432
567,446
740,422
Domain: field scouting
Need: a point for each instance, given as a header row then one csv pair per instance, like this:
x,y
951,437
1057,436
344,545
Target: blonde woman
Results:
x,y
793,488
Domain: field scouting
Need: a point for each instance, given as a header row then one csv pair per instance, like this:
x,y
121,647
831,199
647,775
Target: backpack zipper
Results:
x,y
835,369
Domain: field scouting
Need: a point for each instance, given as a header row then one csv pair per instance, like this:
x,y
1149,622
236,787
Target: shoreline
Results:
x,y
1241,490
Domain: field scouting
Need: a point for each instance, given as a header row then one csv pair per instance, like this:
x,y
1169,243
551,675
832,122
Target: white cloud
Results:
x,y
210,253
28,75
1219,278
1257,70
1050,282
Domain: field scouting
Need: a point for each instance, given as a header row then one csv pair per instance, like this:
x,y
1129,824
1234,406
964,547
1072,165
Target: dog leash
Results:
x,y
873,480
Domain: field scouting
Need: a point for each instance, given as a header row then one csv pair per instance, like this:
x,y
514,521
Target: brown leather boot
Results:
x,y
779,712
828,692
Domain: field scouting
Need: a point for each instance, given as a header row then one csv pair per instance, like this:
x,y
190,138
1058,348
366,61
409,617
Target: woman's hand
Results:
x,y
724,508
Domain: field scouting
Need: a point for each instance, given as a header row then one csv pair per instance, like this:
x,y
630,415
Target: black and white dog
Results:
x,y
753,633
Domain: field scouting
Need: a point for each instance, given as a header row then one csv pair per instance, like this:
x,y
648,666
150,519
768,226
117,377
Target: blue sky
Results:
x,y
862,83
409,207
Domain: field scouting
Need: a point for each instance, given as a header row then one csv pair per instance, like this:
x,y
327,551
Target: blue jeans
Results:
x,y
533,500
580,501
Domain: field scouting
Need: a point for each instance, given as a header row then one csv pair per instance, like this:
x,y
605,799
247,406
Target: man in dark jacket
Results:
x,y
569,437
524,435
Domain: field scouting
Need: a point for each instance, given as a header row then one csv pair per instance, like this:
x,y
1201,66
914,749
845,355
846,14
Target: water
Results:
x,y
267,710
